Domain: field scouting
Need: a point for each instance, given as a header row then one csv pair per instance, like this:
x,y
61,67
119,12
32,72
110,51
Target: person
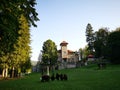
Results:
x,y
53,77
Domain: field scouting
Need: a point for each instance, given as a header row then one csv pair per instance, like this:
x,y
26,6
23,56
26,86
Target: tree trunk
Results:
x,y
48,70
5,73
13,72
53,68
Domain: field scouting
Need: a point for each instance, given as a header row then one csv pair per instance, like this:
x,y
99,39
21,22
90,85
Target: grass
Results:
x,y
85,78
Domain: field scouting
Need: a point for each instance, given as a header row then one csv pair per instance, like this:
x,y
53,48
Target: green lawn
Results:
x,y
85,78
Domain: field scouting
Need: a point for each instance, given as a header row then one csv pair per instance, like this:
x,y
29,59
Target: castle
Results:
x,y
67,58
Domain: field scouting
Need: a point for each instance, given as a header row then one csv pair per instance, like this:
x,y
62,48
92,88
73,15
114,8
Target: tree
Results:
x,y
26,67
85,52
114,46
49,53
90,37
81,54
100,43
18,57
10,12
22,48
4,65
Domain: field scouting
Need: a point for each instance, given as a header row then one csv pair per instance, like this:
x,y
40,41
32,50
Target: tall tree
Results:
x,y
10,12
114,46
89,37
22,47
100,43
49,53
18,57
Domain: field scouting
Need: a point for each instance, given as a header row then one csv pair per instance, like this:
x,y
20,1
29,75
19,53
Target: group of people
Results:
x,y
46,78
59,77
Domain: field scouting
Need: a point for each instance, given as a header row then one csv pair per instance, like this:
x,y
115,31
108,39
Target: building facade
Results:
x,y
67,58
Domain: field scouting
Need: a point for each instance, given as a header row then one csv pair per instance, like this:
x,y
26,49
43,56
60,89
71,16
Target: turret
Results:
x,y
64,52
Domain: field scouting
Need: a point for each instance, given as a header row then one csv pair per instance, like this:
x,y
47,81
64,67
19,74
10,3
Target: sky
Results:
x,y
66,20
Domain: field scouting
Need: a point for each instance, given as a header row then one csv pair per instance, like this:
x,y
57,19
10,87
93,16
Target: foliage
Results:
x,y
22,49
100,42
45,58
49,53
114,46
89,37
10,12
26,67
21,53
13,49
84,53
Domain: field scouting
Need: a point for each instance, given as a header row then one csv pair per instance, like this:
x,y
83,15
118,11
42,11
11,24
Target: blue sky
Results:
x,y
66,20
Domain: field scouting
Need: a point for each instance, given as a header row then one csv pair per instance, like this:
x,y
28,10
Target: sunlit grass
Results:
x,y
85,78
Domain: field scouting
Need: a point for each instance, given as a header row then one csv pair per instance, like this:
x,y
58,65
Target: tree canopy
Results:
x,y
100,43
10,12
16,16
114,46
105,44
19,57
90,37
49,53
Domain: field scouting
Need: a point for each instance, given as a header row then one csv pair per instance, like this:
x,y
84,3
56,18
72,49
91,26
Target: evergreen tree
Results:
x,y
90,37
12,54
22,47
10,12
18,57
49,53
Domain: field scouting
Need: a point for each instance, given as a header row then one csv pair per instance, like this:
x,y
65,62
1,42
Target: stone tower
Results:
x,y
64,52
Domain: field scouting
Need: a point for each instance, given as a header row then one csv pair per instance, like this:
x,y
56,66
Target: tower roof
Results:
x,y
63,43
